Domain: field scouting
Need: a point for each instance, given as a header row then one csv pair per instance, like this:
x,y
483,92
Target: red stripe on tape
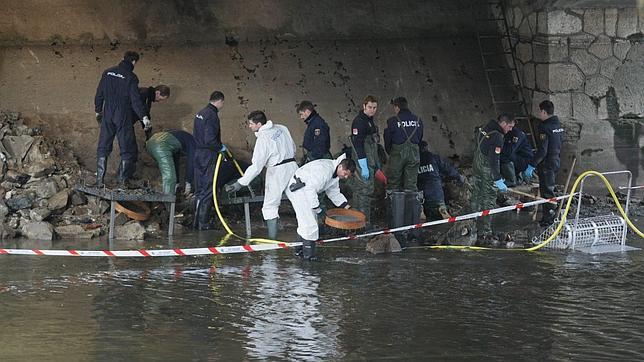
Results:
x,y
386,231
418,226
73,252
519,206
107,252
553,199
38,252
144,253
452,219
248,248
282,245
179,252
2,251
214,250
352,237
485,213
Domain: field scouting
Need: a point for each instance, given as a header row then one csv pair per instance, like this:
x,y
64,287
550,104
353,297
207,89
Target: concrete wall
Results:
x,y
172,22
54,86
265,55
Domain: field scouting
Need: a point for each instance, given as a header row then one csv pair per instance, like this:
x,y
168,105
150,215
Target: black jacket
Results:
x,y
491,146
117,96
550,140
361,128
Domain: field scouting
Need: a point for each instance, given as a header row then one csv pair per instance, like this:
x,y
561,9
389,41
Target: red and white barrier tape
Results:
x,y
260,247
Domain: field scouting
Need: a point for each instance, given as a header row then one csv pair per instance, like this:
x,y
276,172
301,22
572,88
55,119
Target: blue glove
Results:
x,y
527,174
223,148
500,184
364,168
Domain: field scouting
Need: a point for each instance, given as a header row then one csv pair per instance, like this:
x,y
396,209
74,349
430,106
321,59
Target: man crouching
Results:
x,y
309,180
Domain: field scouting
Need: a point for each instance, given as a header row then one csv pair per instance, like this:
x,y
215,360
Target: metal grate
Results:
x,y
588,233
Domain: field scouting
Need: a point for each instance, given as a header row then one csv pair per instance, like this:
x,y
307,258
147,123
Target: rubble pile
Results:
x,y
37,196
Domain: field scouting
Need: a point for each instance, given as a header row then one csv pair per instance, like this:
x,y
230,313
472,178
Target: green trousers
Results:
x,y
483,192
162,146
402,168
361,189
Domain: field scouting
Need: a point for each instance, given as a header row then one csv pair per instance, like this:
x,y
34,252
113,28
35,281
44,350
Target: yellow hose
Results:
x,y
458,247
565,214
561,222
216,202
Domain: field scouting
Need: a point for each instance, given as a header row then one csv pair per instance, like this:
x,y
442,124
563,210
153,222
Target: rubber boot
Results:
x,y
101,167
195,221
126,170
413,206
308,250
297,251
397,215
272,225
205,210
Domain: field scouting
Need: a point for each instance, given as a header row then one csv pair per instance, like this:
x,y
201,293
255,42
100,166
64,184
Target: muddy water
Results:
x,y
418,304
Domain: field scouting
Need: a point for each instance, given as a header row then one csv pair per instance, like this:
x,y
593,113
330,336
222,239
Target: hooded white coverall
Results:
x,y
318,176
274,145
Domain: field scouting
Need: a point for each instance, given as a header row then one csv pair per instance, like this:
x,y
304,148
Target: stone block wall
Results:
x,y
588,61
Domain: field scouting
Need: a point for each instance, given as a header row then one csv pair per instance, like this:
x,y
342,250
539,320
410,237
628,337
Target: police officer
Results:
x,y
317,141
274,150
486,171
166,147
431,171
117,98
515,155
402,136
207,134
547,158
364,140
148,96
310,180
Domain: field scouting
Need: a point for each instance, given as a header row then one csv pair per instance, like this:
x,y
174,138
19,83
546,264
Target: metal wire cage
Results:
x,y
606,233
594,235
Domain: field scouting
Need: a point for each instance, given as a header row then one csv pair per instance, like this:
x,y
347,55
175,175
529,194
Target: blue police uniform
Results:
x,y
431,171
317,141
207,135
117,99
515,155
547,161
402,136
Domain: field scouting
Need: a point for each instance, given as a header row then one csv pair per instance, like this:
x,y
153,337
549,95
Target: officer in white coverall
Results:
x,y
274,150
315,177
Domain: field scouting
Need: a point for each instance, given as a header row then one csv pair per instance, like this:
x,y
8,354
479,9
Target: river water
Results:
x,y
418,304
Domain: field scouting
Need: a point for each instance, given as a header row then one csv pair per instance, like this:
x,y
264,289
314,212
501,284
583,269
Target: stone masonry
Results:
x,y
588,61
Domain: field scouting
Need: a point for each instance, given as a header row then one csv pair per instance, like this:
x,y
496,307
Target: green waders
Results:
x,y
402,168
483,191
362,189
162,147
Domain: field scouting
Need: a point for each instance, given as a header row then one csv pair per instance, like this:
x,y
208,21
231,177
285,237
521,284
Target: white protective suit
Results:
x,y
318,177
274,145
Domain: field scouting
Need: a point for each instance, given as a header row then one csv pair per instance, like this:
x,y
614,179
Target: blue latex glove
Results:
x,y
364,168
500,184
527,174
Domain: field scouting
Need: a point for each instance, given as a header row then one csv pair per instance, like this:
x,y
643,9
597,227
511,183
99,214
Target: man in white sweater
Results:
x,y
274,150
